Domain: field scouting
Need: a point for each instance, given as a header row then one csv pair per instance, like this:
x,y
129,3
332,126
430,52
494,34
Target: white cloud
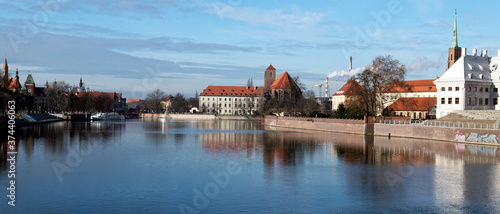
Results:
x,y
268,17
421,64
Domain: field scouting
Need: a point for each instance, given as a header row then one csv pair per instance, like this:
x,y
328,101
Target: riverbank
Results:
x,y
195,117
476,136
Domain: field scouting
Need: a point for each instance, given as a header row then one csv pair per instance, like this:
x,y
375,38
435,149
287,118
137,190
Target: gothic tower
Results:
x,y
455,52
269,77
5,79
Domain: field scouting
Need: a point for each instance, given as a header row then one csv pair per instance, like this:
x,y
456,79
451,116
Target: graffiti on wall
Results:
x,y
475,137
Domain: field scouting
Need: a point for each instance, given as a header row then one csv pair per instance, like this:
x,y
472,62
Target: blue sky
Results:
x,y
186,45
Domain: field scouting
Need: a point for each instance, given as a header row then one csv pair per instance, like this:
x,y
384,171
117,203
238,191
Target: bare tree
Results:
x,y
153,101
56,98
384,75
250,82
179,103
309,94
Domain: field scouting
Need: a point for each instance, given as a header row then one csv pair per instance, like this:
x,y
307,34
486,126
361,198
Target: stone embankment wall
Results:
x,y
475,136
320,124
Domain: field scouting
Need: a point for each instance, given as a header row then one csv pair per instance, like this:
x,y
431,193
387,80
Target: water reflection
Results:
x,y
352,172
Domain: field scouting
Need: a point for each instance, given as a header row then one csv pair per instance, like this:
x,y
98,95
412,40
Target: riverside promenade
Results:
x,y
392,127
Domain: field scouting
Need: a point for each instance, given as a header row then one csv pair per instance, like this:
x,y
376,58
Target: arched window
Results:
x,y
270,74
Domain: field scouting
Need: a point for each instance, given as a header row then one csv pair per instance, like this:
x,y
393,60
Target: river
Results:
x,y
232,166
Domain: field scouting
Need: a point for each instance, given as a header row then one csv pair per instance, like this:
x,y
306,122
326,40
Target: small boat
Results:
x,y
107,116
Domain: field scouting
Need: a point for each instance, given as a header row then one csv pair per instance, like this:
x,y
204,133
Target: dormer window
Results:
x,y
481,76
470,75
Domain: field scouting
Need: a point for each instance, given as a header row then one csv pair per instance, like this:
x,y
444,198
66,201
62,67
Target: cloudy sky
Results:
x,y
186,45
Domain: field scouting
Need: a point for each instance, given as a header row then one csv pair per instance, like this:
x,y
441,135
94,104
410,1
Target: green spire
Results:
x,y
455,37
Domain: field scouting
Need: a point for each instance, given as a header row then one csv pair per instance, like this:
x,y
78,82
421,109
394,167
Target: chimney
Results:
x,y
474,52
464,51
484,53
326,87
350,64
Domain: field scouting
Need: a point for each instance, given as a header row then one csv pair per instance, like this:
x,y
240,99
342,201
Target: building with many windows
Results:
x,y
239,100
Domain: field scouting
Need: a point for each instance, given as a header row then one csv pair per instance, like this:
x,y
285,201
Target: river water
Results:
x,y
241,166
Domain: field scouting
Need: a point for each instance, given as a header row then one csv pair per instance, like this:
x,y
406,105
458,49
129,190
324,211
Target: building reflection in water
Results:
x,y
59,137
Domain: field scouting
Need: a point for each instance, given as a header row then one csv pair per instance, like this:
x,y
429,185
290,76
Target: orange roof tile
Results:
x,y
418,86
413,104
96,94
14,83
351,87
233,91
283,82
271,67
133,100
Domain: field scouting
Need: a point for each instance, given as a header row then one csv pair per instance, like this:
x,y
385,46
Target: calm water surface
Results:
x,y
241,166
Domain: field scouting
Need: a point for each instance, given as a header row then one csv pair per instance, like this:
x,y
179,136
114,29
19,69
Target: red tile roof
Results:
x,y
133,100
284,81
413,104
351,87
418,86
96,94
271,67
167,98
233,91
14,83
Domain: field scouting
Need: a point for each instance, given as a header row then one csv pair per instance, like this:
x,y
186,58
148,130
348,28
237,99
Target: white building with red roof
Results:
x,y
239,100
346,95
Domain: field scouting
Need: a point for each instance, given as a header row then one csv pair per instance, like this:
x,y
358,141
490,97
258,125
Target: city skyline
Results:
x,y
184,46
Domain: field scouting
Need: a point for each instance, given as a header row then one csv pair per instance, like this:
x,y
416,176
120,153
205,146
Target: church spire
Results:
x,y
455,37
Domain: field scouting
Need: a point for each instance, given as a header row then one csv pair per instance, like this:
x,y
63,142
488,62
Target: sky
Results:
x,y
135,47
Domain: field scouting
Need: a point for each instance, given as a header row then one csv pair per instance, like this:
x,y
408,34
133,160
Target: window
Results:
x,y
475,89
457,88
400,114
225,99
230,98
450,100
414,115
481,89
420,115
450,89
457,100
480,101
270,74
443,101
468,89
475,101
486,89
495,101
495,90
443,88
486,101
469,102
225,105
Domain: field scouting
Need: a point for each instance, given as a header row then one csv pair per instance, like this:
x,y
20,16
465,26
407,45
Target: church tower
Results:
x,y
269,77
455,52
5,79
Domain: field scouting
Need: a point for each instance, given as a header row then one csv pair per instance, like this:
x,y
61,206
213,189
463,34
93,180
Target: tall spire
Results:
x,y
455,37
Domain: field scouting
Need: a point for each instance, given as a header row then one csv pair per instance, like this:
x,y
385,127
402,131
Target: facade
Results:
x,y
413,107
269,77
119,102
34,96
282,86
471,83
167,102
413,88
346,95
239,100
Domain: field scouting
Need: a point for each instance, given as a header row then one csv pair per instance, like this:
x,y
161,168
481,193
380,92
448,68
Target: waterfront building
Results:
x,y
167,102
246,100
413,107
347,94
33,96
119,102
241,100
471,82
